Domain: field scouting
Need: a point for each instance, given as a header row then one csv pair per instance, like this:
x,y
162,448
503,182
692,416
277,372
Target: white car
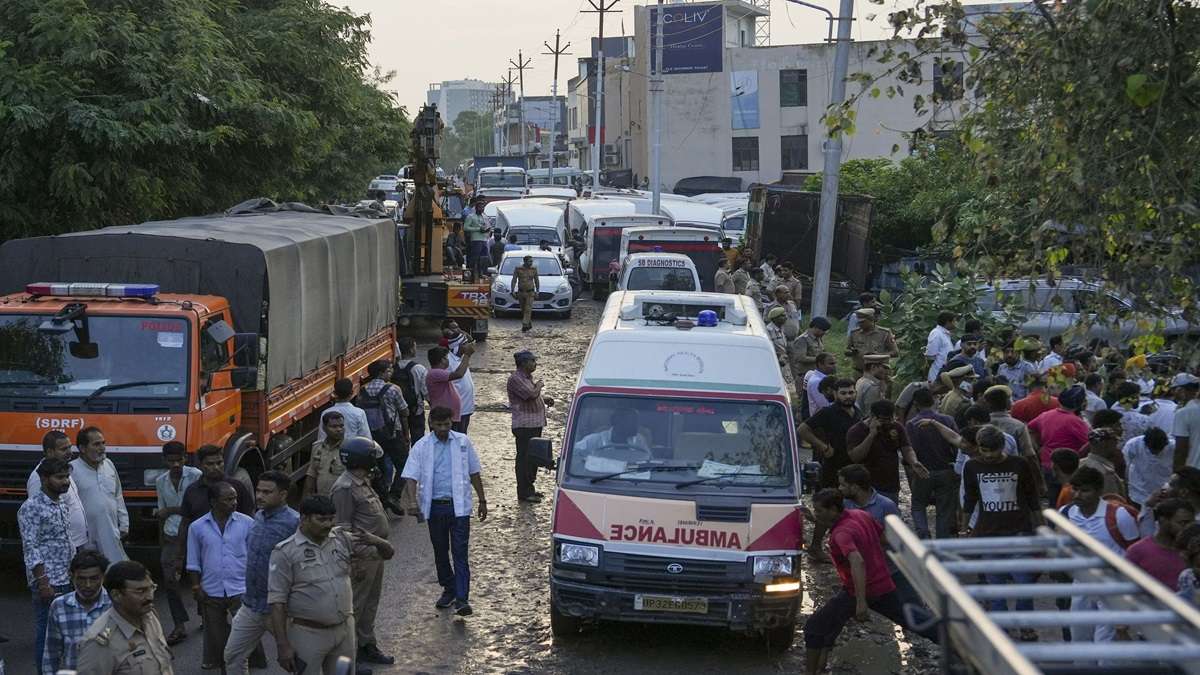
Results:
x,y
554,288
385,183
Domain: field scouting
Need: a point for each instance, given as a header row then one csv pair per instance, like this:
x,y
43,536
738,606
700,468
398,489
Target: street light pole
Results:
x,y
556,51
656,90
601,8
823,264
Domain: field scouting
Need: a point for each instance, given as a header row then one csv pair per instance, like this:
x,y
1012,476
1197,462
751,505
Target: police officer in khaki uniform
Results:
x,y
870,339
325,463
525,286
127,639
312,616
360,509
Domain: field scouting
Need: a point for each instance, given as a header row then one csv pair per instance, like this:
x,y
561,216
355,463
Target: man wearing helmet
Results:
x,y
360,509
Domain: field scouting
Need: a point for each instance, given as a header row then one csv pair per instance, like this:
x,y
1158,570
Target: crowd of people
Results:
x,y
311,576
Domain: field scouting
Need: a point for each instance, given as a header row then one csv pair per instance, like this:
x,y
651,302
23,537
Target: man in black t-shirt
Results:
x,y
878,443
826,431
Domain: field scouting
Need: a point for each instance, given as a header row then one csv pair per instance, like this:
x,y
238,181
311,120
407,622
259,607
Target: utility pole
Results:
x,y
599,7
556,52
521,65
656,92
833,164
507,97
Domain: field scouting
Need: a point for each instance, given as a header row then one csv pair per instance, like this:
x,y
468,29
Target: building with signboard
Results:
x,y
543,125
735,109
455,96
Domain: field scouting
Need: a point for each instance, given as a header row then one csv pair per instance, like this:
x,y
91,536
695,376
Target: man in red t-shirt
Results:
x,y
1037,402
857,552
1061,427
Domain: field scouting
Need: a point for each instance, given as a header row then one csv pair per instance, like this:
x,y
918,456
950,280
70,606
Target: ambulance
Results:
x,y
658,271
678,484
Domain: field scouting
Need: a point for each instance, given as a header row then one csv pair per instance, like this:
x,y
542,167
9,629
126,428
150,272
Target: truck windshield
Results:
x,y
660,278
501,180
680,444
533,236
115,351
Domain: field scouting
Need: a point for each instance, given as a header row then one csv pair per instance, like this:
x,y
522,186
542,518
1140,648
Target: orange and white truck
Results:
x,y
678,484
228,330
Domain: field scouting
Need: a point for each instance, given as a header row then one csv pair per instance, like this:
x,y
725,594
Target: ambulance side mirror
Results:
x,y
541,453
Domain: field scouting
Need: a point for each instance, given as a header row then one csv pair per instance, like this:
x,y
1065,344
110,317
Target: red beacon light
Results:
x,y
92,289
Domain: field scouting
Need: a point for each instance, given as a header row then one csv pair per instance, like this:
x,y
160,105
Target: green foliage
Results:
x,y
914,313
125,111
1085,133
471,136
914,197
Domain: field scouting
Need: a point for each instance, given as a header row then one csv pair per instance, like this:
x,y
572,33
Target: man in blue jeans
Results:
x,y
442,467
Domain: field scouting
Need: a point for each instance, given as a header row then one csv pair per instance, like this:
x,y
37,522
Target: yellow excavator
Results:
x,y
430,289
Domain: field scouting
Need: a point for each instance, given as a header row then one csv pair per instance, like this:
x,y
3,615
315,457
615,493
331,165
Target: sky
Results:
x,y
426,41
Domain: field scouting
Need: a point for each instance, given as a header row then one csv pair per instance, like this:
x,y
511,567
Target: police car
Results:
x,y
658,272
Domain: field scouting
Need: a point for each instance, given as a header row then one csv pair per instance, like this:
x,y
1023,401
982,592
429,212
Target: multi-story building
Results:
x,y
545,123
455,96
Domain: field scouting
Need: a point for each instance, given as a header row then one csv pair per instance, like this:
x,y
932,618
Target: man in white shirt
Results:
x,y
1055,358
1148,460
102,496
456,339
939,344
1091,514
1186,428
1093,384
625,431
354,416
826,366
56,444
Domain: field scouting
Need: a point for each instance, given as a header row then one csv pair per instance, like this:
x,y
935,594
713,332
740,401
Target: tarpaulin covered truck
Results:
x,y
230,330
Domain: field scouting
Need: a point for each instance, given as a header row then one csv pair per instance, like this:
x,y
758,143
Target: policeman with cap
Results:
x,y
359,509
127,639
869,338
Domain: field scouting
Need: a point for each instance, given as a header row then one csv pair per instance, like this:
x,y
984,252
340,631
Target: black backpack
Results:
x,y
377,417
404,379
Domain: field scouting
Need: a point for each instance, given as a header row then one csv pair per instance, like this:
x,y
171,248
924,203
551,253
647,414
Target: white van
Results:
x,y
701,245
657,272
602,247
678,486
532,224
563,176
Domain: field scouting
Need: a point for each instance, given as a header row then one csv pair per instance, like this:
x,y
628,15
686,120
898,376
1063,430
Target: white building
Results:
x,y
545,122
455,96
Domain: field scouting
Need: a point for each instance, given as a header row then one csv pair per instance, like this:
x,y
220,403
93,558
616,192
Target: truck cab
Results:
x,y
678,483
658,272
496,183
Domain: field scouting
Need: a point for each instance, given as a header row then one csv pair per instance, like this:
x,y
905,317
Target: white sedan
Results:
x,y
554,288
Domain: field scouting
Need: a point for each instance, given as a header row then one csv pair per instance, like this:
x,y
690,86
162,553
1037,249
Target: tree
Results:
x,y
1084,129
120,112
471,136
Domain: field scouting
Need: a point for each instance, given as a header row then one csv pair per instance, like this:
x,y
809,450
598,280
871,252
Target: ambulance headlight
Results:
x,y
773,565
579,554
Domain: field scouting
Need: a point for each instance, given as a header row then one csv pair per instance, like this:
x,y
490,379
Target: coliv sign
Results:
x,y
693,37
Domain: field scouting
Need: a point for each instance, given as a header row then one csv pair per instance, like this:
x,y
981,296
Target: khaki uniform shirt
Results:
x,y
869,390
358,506
954,403
313,580
878,341
325,466
803,353
525,279
723,282
740,278
113,646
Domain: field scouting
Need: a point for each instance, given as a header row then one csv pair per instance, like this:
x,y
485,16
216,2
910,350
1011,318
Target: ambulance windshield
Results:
x,y
680,444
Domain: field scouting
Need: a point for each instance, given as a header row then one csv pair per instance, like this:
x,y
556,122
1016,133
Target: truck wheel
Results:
x,y
779,639
244,476
563,626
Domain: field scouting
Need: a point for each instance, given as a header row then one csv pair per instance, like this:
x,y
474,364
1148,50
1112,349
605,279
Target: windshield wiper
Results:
x,y
646,467
727,474
100,391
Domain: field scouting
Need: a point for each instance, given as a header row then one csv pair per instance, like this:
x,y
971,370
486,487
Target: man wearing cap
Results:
x,y
869,339
956,399
865,301
1186,427
939,344
528,408
525,286
802,355
873,384
776,317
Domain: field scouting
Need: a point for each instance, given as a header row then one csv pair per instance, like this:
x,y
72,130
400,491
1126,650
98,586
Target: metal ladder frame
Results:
x,y
1170,626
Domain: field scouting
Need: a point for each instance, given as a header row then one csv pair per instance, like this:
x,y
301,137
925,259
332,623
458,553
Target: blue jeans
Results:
x,y
1001,604
41,609
450,536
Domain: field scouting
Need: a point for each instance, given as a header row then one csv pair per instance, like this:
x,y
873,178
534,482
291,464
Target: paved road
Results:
x,y
510,555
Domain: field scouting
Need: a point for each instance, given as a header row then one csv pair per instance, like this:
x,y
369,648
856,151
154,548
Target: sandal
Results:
x,y
178,635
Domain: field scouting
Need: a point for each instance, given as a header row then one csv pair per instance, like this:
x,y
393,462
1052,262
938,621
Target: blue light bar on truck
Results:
x,y
93,289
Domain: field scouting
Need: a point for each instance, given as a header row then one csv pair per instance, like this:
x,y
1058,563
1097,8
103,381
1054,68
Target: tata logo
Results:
x,y
58,423
674,568
474,296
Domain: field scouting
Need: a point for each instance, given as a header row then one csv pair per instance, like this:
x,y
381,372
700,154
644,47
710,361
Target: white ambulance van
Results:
x,y
658,271
678,486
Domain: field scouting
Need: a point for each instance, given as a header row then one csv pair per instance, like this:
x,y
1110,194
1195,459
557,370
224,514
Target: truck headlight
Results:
x,y
579,554
773,565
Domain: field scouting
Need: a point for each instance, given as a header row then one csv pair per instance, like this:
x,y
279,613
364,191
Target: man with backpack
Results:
x,y
387,417
1110,521
409,375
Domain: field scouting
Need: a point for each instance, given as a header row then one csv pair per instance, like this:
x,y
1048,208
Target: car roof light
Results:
x,y
93,289
706,318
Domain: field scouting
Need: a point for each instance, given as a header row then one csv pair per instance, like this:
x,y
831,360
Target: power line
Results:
x,y
555,51
600,7
521,65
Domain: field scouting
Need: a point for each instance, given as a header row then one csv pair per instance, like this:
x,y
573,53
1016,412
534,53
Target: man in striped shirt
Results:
x,y
72,614
528,407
